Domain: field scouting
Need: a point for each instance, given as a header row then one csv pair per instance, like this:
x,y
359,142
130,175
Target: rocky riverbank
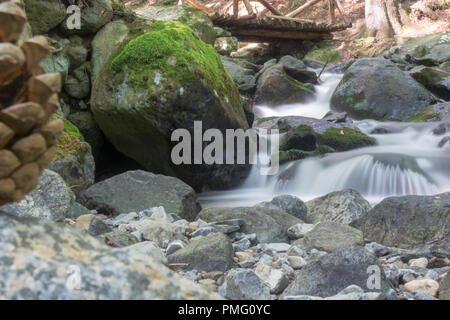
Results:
x,y
113,218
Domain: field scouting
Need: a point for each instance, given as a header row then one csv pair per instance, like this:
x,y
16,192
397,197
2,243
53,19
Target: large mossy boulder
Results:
x,y
410,222
163,80
375,88
275,87
186,13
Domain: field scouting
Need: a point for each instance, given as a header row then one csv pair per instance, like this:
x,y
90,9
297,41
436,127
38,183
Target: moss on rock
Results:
x,y
71,141
343,139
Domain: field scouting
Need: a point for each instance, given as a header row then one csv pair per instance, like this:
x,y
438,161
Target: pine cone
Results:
x,y
27,100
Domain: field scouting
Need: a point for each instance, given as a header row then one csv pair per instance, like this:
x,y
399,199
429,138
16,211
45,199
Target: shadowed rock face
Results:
x,y
134,191
376,89
410,222
41,259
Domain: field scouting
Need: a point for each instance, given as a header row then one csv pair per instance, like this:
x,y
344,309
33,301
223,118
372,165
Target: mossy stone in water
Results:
x,y
345,139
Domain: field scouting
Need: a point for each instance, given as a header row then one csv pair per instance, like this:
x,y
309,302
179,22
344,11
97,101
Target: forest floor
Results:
x,y
420,17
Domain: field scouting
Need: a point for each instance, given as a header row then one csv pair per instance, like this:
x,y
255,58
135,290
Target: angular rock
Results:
x,y
44,15
332,236
139,190
298,231
50,200
268,225
435,80
344,206
290,204
410,222
211,253
297,70
244,284
328,275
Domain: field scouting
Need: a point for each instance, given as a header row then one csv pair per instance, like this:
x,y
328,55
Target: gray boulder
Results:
x,y
44,15
276,87
330,274
410,222
444,287
332,236
242,72
93,14
344,206
435,80
269,225
59,262
244,284
106,41
297,70
134,191
213,252
52,199
375,88
291,204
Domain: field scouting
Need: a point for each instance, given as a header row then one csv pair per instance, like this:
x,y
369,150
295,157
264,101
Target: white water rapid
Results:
x,y
405,161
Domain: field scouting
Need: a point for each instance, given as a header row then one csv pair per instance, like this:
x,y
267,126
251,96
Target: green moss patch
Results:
x,y
424,115
323,53
344,139
71,141
177,52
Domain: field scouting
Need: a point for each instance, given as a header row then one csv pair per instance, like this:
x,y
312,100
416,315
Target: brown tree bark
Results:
x,y
383,17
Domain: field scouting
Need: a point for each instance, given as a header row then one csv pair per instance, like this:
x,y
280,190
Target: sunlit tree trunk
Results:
x,y
383,17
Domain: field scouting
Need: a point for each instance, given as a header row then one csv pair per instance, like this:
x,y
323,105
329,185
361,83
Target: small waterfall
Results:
x,y
405,161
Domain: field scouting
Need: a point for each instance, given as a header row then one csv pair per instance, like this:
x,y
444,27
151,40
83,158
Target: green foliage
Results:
x,y
323,53
177,52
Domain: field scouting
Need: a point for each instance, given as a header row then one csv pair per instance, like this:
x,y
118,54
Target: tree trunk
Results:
x,y
382,17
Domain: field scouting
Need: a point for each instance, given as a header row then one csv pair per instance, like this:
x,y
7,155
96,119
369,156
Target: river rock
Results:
x,y
44,15
291,204
332,236
328,275
276,87
211,253
297,70
69,255
435,112
428,286
226,45
93,14
435,80
50,200
195,18
375,88
269,225
244,284
298,231
132,112
410,222
242,73
139,190
344,206
444,287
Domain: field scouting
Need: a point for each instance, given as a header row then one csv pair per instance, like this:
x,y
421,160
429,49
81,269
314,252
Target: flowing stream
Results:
x,y
405,161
